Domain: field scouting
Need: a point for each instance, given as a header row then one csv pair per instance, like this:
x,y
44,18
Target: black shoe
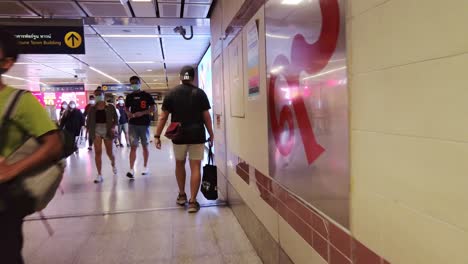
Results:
x,y
193,207
121,145
130,175
90,148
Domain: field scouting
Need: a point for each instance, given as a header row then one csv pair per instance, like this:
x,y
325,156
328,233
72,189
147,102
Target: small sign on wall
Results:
x,y
253,66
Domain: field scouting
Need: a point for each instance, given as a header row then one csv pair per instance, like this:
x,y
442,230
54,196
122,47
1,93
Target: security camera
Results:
x,y
76,76
183,32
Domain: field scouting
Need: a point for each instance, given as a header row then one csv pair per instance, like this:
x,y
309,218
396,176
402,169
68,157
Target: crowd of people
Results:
x,y
186,104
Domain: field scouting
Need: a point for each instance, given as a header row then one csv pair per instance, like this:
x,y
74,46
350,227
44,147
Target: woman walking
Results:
x,y
72,121
102,121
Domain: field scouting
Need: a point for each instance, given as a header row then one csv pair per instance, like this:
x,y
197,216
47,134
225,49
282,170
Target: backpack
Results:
x,y
33,190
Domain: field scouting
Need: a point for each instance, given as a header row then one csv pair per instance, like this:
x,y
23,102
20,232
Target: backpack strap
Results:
x,y
10,107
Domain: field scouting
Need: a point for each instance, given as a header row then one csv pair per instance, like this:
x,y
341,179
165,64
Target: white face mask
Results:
x,y
64,106
92,102
121,101
72,106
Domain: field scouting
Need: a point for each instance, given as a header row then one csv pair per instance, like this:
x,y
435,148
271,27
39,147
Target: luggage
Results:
x,y
209,186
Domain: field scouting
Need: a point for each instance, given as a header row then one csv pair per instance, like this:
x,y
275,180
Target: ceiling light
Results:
x,y
130,36
148,70
291,2
21,79
104,74
142,1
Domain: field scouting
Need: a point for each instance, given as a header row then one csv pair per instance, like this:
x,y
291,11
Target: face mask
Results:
x,y
92,102
72,106
135,87
121,101
99,98
64,106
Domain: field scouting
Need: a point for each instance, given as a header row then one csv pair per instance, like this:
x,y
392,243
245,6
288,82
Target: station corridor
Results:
x,y
122,221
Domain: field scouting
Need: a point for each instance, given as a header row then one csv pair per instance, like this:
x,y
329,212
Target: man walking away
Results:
x,y
123,122
139,105
189,106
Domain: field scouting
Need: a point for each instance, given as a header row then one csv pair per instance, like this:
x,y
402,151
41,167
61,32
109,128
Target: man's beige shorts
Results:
x,y
195,152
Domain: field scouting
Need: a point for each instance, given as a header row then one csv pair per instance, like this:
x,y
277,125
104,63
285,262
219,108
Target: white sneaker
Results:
x,y
98,179
114,170
145,171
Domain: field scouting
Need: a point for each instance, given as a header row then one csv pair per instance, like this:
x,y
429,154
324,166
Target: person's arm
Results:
x,y
159,129
49,151
209,125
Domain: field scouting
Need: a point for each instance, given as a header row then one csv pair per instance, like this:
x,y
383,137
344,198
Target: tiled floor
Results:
x,y
143,224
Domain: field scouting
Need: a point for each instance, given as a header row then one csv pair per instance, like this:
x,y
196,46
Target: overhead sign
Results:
x,y
62,88
47,36
117,87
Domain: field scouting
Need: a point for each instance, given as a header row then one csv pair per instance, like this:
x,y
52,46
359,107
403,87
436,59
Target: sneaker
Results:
x,y
98,179
181,199
193,207
130,174
121,145
90,148
114,170
128,145
145,171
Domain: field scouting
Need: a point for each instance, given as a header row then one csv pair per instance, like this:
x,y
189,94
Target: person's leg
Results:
x,y
144,136
119,137
196,154
98,154
180,153
11,242
110,154
127,137
134,145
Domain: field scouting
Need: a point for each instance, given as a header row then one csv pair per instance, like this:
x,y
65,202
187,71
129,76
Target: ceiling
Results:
x,y
116,49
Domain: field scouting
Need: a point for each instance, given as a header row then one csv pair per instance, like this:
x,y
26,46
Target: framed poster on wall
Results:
x,y
308,103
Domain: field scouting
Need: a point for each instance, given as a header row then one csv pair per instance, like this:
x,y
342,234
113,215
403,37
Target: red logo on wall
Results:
x,y
311,58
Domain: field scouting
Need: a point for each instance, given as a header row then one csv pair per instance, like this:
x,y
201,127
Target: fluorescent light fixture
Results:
x,y
142,1
130,36
27,63
149,70
324,73
291,2
104,74
277,36
21,79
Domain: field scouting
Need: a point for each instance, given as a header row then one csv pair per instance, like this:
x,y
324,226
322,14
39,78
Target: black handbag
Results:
x,y
209,186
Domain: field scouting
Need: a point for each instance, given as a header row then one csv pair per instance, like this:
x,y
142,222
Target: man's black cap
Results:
x,y
187,73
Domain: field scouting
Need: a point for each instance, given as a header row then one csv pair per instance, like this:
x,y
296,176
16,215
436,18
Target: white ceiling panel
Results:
x,y
123,30
169,9
56,8
203,31
14,8
106,9
187,51
196,10
132,49
144,9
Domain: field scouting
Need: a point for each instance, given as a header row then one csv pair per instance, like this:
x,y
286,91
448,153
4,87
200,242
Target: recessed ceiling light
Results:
x,y
148,70
140,62
104,74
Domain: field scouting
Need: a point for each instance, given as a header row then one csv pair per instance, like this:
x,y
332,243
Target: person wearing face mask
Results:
x,y
63,110
123,122
91,103
73,120
29,120
102,122
139,106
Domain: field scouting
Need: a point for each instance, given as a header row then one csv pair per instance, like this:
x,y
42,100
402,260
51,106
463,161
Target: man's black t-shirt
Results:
x,y
186,104
139,101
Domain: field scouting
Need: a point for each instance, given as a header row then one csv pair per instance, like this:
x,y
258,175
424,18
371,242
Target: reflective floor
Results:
x,y
122,221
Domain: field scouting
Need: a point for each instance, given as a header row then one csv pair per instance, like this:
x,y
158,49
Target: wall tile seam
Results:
x,y
411,63
419,212
367,10
441,140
